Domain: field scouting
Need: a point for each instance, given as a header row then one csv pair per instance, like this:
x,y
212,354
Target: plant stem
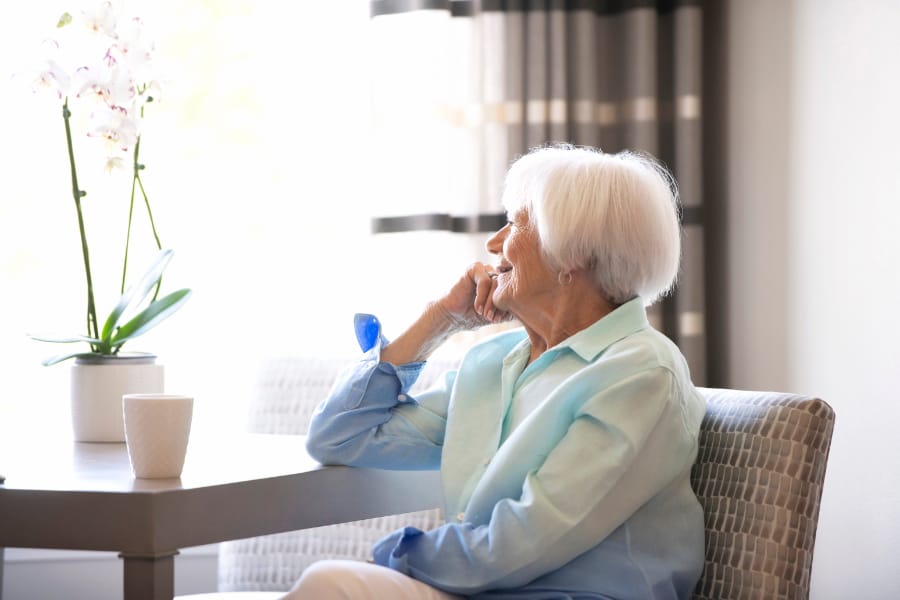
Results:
x,y
149,212
130,215
92,328
136,182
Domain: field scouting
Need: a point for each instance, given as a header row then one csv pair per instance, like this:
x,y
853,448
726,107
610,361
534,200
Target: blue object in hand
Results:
x,y
368,331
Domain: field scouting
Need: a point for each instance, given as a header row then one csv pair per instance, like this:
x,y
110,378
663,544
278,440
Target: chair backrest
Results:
x,y
759,475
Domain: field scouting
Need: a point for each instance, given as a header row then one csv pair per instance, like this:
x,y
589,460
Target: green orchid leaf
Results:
x,y
136,293
65,340
150,317
61,357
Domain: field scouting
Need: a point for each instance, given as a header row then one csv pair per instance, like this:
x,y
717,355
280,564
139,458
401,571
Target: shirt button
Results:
x,y
486,461
402,397
461,517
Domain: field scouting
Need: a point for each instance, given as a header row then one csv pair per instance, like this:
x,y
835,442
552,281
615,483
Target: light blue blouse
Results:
x,y
585,496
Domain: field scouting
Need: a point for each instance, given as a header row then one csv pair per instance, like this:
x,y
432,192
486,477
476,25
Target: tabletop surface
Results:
x,y
64,465
64,494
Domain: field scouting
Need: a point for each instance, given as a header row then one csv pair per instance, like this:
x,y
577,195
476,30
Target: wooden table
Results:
x,y
82,496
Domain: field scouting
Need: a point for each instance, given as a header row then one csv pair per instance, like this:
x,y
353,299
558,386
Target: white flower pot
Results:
x,y
98,384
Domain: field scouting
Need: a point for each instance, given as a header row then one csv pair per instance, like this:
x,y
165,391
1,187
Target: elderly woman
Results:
x,y
565,446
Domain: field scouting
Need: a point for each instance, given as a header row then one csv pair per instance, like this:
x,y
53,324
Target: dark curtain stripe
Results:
x,y
690,215
467,8
392,7
600,7
484,223
457,8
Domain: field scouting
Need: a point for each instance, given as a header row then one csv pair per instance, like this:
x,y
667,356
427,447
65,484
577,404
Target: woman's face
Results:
x,y
523,277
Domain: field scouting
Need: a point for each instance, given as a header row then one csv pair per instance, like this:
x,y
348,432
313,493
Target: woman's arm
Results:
x,y
369,419
466,306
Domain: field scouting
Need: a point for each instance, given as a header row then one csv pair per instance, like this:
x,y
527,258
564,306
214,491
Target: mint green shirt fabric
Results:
x,y
565,478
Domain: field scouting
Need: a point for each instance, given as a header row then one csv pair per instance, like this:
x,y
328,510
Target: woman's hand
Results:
x,y
469,304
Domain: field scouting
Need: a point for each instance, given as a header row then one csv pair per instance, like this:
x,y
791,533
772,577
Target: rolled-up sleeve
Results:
x,y
370,420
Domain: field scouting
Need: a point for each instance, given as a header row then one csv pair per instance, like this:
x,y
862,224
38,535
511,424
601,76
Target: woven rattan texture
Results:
x,y
759,476
287,392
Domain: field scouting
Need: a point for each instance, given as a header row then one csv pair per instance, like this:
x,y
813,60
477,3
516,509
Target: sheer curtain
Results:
x,y
463,87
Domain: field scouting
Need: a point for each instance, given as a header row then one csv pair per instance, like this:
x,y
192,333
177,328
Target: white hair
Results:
x,y
614,213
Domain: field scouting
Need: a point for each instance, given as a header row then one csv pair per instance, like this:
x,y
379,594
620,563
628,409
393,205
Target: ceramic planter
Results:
x,y
98,384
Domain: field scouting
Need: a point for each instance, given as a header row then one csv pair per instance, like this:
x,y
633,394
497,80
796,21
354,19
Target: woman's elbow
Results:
x,y
319,447
330,448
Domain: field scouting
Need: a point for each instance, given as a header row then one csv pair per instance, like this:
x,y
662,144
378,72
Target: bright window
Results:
x,y
257,171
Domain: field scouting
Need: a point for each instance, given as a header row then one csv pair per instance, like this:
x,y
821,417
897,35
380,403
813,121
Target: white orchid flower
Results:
x,y
52,77
100,20
114,125
134,45
86,38
106,82
46,72
114,163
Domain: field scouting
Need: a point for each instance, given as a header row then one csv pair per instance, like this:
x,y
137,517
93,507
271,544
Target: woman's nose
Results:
x,y
494,245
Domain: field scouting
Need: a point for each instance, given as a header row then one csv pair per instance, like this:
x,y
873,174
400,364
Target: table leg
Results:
x,y
149,576
1,573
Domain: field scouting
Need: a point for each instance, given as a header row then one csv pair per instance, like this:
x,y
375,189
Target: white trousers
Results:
x,y
356,580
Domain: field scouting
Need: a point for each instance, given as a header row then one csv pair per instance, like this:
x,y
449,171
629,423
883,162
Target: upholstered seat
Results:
x,y
759,475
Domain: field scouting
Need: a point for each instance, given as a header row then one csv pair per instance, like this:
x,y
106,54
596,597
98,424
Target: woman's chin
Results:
x,y
499,301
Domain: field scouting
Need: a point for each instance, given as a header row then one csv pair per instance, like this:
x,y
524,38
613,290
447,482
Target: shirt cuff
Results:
x,y
391,551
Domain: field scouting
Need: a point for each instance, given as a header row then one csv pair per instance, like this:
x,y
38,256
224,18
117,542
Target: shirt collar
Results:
x,y
621,322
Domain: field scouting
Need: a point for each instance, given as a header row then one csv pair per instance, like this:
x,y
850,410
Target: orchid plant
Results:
x,y
101,62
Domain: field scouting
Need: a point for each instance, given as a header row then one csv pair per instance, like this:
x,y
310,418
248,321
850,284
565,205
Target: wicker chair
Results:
x,y
759,474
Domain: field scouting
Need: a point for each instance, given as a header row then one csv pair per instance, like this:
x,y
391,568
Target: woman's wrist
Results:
x,y
444,321
423,337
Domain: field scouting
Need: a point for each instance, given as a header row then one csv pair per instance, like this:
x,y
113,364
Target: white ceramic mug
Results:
x,y
157,429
